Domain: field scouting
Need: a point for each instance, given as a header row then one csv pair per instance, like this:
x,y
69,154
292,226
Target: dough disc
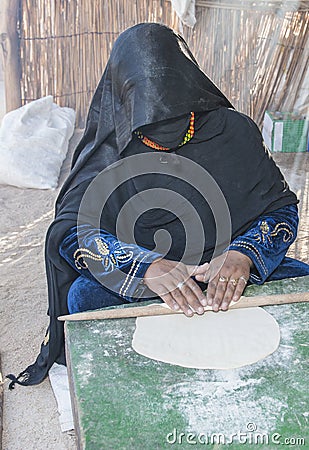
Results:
x,y
223,340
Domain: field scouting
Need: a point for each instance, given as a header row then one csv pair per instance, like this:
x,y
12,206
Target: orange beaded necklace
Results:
x,y
188,136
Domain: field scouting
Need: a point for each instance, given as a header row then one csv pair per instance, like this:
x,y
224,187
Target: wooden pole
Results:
x,y
9,44
160,310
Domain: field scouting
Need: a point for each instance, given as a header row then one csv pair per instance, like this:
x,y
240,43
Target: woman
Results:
x,y
170,188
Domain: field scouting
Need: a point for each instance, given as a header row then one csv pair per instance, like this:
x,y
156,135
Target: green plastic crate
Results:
x,y
285,132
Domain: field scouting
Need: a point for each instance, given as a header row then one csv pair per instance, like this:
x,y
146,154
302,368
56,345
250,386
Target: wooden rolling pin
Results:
x,y
159,309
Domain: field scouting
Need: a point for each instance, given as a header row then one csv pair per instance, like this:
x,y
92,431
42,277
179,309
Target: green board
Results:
x,y
122,400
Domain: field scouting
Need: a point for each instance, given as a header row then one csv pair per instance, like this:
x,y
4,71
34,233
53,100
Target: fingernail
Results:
x,y
209,301
190,312
203,301
200,310
224,306
176,306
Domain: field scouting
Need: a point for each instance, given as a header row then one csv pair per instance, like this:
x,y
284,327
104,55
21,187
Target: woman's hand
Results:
x,y
172,281
227,276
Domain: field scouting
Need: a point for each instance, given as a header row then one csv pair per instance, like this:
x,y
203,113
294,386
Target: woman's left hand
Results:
x,y
227,277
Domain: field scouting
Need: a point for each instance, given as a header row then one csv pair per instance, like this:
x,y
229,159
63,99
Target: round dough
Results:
x,y
223,340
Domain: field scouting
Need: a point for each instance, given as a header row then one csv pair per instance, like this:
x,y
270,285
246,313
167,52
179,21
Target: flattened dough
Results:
x,y
223,340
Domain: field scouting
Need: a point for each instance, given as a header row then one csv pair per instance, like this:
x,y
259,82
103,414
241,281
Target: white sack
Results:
x,y
185,10
33,144
58,376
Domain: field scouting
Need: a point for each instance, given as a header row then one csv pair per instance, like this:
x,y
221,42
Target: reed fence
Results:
x,y
256,52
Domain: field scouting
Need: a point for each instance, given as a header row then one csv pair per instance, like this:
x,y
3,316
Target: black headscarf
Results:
x,y
150,78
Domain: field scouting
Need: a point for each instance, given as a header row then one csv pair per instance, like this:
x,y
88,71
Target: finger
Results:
x,y
242,283
211,273
235,288
168,299
221,286
200,270
197,291
201,277
190,293
229,293
211,290
181,301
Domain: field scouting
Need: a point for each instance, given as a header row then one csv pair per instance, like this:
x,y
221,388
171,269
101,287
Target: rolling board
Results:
x,y
123,400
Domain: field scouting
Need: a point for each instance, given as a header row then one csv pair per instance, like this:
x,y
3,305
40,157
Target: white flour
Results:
x,y
232,401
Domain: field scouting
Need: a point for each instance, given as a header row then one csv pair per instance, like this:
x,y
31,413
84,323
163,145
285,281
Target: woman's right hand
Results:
x,y
172,281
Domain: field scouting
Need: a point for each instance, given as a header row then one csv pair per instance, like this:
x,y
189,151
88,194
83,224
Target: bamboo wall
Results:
x,y
256,52
65,44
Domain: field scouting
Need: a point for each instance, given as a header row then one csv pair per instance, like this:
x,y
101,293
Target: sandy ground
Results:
x,y
30,415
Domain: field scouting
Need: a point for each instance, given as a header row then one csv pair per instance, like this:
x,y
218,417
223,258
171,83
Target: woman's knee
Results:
x,y
86,295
